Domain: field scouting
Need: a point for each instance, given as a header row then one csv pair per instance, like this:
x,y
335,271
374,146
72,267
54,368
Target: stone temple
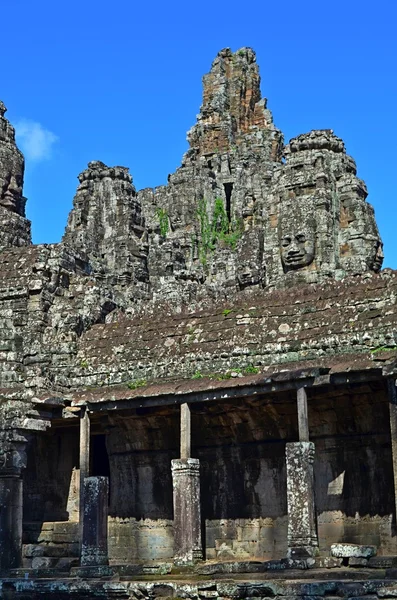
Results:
x,y
197,384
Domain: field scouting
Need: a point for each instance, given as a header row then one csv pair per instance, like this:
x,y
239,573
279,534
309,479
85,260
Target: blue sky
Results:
x,y
121,82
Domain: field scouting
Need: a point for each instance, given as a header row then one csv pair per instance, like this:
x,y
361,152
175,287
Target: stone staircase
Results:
x,y
50,545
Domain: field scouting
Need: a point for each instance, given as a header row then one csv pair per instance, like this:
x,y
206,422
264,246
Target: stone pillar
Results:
x,y
185,431
187,513
12,462
393,433
94,545
84,462
303,419
302,529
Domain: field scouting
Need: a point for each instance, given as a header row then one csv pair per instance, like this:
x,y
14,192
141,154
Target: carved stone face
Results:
x,y
11,193
378,258
297,248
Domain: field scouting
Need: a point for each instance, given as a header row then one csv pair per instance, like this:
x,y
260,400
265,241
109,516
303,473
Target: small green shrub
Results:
x,y
162,216
137,383
383,349
219,229
251,370
197,375
226,311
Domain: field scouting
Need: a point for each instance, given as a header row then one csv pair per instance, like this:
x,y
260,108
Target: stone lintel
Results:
x,y
302,527
94,545
187,511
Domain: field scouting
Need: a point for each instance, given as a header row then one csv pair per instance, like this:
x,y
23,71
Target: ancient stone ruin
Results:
x,y
200,377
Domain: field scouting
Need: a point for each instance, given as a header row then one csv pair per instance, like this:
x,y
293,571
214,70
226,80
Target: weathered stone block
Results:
x,y
357,562
43,562
328,562
352,551
382,562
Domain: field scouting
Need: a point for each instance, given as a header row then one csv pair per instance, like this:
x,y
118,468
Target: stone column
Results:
x,y
303,419
185,441
12,463
393,433
186,487
302,530
84,462
94,545
187,514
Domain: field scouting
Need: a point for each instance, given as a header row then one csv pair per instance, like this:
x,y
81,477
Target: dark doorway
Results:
x,y
100,459
228,194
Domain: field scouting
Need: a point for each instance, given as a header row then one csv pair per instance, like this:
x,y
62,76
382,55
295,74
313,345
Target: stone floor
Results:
x,y
312,584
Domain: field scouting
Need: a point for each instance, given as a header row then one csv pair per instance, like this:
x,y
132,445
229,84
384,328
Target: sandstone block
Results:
x,y
352,551
43,562
358,562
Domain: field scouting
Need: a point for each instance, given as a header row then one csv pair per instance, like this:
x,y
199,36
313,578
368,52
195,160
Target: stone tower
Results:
x,y
107,226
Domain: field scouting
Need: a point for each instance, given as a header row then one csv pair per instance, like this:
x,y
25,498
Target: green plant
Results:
x,y
226,311
136,383
197,375
216,230
162,216
84,364
251,370
383,349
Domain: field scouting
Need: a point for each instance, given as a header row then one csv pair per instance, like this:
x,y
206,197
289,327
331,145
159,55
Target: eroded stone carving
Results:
x,y
319,215
298,242
107,226
14,227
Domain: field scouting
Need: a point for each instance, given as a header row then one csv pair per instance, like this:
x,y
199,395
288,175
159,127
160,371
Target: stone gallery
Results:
x,y
200,378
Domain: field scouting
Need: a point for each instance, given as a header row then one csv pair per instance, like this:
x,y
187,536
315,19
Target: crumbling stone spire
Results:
x,y
232,105
106,223
14,227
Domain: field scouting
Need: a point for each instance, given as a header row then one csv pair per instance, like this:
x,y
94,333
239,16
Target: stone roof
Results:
x,y
311,333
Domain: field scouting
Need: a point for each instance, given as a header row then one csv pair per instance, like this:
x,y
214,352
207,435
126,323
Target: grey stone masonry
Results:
x,y
94,547
187,514
302,531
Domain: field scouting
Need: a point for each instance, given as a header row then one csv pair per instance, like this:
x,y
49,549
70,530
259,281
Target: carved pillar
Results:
x,y
393,433
12,463
94,545
187,514
84,463
302,530
303,420
186,498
